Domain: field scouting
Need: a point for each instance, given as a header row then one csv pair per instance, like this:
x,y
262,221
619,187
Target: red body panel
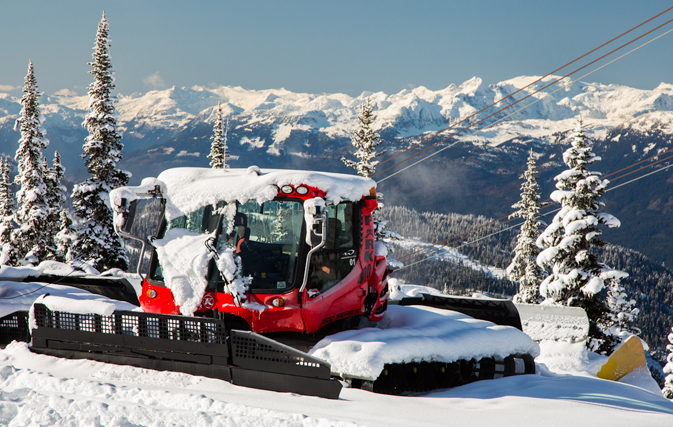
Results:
x,y
366,282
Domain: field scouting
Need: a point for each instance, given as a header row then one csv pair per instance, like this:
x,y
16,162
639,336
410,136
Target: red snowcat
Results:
x,y
249,269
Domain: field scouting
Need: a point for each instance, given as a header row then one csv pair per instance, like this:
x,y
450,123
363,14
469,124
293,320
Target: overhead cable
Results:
x,y
533,93
527,86
545,214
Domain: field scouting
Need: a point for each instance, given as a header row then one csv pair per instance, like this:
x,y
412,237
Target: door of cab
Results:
x,y
312,311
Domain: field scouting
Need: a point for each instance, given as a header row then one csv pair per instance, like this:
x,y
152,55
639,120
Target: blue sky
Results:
x,y
319,46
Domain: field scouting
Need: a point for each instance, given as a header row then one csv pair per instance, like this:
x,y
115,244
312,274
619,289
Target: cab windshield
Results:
x,y
265,236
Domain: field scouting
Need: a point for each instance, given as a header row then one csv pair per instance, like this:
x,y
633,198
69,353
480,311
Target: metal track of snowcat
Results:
x,y
203,346
427,376
14,327
197,346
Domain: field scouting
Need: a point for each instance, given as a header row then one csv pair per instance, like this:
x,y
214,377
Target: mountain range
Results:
x,y
479,172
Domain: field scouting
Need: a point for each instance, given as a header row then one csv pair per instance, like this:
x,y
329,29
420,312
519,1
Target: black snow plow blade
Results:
x,y
498,311
117,288
196,346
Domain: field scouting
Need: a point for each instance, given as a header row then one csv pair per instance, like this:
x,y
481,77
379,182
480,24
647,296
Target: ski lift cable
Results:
x,y
519,224
509,115
525,87
544,203
496,222
523,108
558,209
469,243
635,164
644,167
520,109
533,93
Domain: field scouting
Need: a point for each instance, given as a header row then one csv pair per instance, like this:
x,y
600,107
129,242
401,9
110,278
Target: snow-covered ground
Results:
x,y
43,390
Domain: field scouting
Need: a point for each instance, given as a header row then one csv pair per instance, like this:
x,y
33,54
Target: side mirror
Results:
x,y
126,215
139,218
137,211
315,215
318,234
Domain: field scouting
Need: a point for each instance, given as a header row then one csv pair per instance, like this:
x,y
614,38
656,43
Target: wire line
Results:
x,y
525,87
517,225
511,114
533,93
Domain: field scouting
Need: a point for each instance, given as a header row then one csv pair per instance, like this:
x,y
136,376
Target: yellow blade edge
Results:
x,y
626,359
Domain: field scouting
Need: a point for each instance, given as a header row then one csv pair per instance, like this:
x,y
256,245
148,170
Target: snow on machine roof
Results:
x,y
188,189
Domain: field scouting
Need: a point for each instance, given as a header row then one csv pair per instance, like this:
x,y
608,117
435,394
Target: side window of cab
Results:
x,y
338,257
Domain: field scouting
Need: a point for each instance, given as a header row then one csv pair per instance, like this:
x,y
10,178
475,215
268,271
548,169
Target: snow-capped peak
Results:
x,y
272,117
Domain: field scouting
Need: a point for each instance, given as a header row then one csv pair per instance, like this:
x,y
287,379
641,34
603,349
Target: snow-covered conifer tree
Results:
x,y
31,238
524,268
577,277
622,312
97,243
65,238
283,226
668,369
8,252
219,151
366,140
55,199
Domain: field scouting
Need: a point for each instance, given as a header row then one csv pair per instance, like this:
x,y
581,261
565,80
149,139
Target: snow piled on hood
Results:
x,y
188,189
184,259
414,334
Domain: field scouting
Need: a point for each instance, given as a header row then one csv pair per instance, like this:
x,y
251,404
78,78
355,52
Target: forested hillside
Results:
x,y
649,283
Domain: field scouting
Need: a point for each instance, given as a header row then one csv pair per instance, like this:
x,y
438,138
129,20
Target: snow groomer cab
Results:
x,y
281,250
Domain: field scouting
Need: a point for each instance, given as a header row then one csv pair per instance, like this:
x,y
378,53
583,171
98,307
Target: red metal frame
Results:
x,y
367,281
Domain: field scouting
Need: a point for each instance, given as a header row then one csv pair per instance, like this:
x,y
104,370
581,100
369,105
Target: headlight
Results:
x,y
287,189
302,189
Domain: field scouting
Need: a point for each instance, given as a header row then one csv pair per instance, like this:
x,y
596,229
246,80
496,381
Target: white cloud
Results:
x,y
155,81
184,153
7,88
65,92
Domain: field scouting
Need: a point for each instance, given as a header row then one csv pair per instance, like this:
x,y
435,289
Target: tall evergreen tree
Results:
x,y
524,269
668,369
623,312
365,140
64,239
97,243
8,252
55,200
219,151
31,238
577,277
